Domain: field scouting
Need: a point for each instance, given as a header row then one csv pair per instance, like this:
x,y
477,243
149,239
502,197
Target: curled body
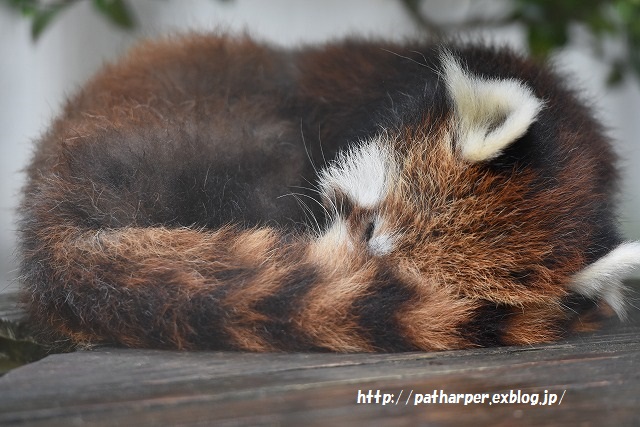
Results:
x,y
212,192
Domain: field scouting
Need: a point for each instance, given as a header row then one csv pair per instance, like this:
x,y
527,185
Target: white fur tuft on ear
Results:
x,y
490,113
604,277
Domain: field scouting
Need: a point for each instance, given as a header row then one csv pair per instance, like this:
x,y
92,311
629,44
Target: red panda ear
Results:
x,y
490,114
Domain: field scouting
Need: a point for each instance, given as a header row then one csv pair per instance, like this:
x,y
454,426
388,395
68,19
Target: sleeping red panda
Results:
x,y
455,196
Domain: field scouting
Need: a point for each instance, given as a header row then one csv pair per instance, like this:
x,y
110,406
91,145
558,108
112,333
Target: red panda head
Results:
x,y
426,199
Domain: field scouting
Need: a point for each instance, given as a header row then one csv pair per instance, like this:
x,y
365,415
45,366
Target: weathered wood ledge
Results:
x,y
596,374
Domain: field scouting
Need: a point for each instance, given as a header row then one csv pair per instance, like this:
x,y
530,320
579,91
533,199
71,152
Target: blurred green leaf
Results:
x,y
42,16
616,73
117,12
41,20
543,39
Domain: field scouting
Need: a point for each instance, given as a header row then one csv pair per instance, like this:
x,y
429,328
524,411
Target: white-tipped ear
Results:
x,y
490,113
603,278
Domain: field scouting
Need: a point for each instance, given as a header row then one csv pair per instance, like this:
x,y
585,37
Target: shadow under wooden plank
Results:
x,y
592,379
17,345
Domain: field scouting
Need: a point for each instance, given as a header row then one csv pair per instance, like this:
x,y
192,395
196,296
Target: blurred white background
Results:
x,y
35,78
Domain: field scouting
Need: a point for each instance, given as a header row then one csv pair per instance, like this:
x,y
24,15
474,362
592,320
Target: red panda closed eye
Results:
x,y
211,192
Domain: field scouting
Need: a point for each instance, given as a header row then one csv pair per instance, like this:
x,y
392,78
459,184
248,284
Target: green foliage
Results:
x,y
42,13
548,23
116,11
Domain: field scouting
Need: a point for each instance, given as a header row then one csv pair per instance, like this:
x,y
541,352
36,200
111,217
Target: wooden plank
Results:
x,y
131,387
597,373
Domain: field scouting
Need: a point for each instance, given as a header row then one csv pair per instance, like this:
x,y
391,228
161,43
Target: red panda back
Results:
x,y
461,197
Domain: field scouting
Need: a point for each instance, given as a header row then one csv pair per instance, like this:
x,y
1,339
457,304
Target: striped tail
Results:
x,y
253,290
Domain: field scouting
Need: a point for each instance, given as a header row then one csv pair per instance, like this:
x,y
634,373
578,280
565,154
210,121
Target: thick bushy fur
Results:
x,y
158,211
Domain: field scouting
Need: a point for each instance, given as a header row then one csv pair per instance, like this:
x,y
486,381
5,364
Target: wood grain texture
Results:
x,y
109,386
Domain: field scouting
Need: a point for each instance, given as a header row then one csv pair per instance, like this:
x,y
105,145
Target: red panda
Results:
x,y
212,192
